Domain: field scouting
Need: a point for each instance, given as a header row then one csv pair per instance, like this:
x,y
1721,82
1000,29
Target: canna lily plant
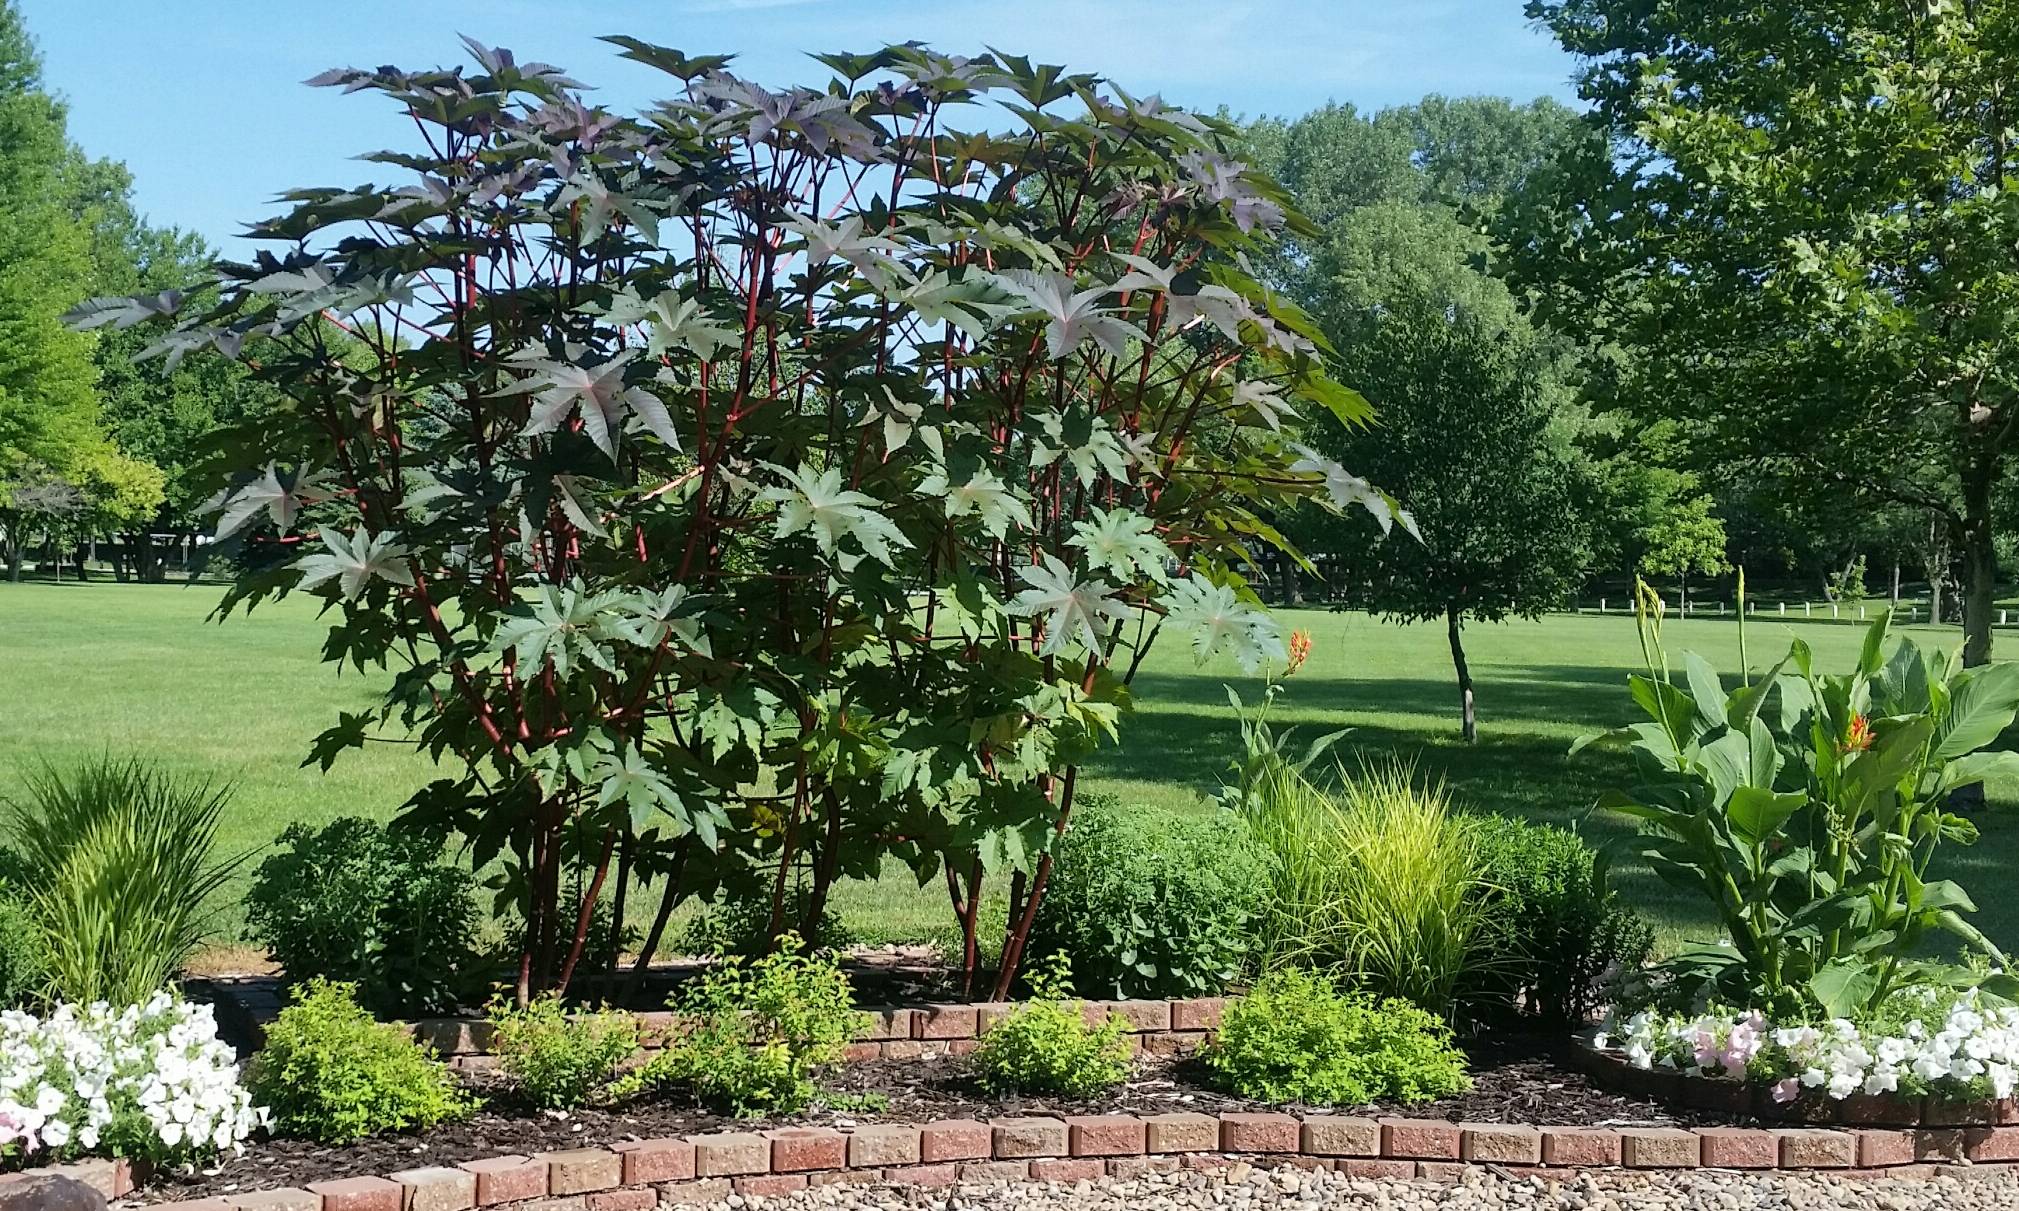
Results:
x,y
1808,808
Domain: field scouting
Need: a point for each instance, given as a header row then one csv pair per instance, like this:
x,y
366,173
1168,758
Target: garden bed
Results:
x,y
1515,1080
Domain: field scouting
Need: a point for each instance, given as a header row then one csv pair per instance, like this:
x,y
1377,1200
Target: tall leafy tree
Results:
x,y
50,430
1475,436
1801,227
1469,438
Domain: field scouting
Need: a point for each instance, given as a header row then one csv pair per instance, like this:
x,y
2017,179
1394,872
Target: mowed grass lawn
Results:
x,y
94,668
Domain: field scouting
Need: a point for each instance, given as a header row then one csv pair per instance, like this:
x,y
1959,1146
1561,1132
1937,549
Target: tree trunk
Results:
x,y
1452,623
1895,599
1980,561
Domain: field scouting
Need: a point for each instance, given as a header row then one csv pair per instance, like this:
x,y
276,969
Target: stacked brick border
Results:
x,y
898,1032
643,1174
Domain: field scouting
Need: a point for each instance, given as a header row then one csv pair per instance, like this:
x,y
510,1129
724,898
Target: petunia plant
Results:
x,y
773,482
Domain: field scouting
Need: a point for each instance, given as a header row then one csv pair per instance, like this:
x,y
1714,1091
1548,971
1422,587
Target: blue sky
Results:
x,y
203,100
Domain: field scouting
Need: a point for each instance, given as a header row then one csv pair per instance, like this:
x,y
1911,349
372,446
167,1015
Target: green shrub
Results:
x,y
754,1032
331,1073
1560,929
560,1060
115,860
1377,881
738,922
1146,903
1297,1038
1046,1046
357,902
24,952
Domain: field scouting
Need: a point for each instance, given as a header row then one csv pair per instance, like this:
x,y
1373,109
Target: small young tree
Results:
x,y
776,480
1467,433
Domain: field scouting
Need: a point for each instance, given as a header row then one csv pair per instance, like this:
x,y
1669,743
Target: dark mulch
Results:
x,y
1517,1079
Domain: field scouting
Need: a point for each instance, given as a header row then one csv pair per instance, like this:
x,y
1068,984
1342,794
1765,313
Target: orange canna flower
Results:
x,y
1300,651
1859,736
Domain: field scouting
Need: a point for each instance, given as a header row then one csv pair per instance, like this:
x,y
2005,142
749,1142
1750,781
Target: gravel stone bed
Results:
x,y
1243,1187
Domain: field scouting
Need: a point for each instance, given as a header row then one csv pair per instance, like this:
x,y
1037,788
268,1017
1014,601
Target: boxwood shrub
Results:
x,y
1143,902
1296,1038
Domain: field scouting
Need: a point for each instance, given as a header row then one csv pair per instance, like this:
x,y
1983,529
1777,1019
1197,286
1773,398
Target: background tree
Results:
x,y
1476,430
1809,286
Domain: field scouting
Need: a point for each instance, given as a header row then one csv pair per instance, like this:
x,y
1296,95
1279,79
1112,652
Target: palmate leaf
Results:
x,y
1344,489
597,390
985,496
1123,544
1072,610
354,560
1071,317
281,496
816,501
1263,399
1219,620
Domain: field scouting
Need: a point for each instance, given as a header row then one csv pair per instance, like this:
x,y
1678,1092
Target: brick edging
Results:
x,y
642,1174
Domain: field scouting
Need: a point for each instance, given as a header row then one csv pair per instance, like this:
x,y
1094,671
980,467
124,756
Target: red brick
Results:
x,y
1879,1149
436,1188
1945,1144
1500,1143
1136,1166
885,1023
1940,1112
567,1202
1205,1162
507,1179
1302,1162
696,1193
656,1160
845,1177
954,1139
1185,1131
622,1200
100,1175
1447,1173
798,1149
879,1145
1341,1135
988,1013
1579,1146
943,1022
935,1176
1143,1017
1199,1013
861,1053
1020,1138
1659,1148
730,1154
194,1204
962,1046
1419,1139
1739,1148
769,1183
1813,1148
1241,1132
1106,1135
1062,1169
915,1049
1990,1145
580,1170
285,1198
1175,1042
1379,1170
358,1194
995,1171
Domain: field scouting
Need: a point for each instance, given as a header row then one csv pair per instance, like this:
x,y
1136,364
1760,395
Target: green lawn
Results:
x,y
135,669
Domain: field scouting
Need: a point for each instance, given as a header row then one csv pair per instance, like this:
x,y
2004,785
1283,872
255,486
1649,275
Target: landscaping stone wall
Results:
x,y
642,1174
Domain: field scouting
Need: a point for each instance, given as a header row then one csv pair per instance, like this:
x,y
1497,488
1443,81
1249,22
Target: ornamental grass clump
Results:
x,y
1297,1038
114,864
